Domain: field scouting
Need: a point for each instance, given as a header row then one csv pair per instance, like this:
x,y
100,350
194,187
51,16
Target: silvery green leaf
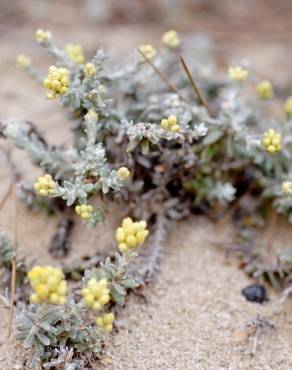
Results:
x,y
129,283
212,137
43,338
118,294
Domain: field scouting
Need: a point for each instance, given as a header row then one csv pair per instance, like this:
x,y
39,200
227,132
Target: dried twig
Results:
x,y
60,245
13,264
259,323
196,90
286,294
6,194
148,262
165,79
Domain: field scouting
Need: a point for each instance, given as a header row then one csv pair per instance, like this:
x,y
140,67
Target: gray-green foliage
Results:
x,y
57,335
130,101
6,251
118,273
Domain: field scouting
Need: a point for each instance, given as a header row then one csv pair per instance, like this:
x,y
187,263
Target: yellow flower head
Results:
x,y
89,70
45,185
271,141
84,211
43,36
49,285
237,73
170,123
123,173
96,293
106,322
170,39
288,107
91,115
287,187
265,89
75,53
148,50
22,61
131,234
57,82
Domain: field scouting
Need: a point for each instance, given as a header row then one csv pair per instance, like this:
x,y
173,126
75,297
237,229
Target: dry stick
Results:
x,y
165,79
6,194
197,92
13,264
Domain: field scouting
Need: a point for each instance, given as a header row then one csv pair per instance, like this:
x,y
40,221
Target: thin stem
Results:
x,y
163,77
13,264
6,194
196,90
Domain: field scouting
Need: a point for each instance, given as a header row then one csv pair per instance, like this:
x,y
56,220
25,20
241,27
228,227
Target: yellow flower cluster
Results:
x,y
237,73
265,89
22,61
288,106
170,39
148,50
45,185
106,322
89,69
131,234
271,141
75,53
56,82
84,211
49,285
170,123
96,294
43,36
287,187
123,173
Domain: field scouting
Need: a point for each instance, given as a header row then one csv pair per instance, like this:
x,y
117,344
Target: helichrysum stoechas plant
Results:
x,y
287,187
129,124
106,322
49,285
170,123
22,61
265,89
45,186
131,234
84,211
96,293
123,173
57,81
148,50
237,74
75,53
170,39
89,70
43,36
271,141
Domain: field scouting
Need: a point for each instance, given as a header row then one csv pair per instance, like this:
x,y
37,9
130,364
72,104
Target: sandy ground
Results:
x,y
195,316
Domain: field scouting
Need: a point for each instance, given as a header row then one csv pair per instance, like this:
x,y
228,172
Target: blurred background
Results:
x,y
255,29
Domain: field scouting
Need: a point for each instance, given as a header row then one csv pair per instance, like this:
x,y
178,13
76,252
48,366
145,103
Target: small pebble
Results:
x,y
255,293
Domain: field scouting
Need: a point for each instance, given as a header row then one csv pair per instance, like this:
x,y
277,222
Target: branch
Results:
x,y
196,90
163,77
13,264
